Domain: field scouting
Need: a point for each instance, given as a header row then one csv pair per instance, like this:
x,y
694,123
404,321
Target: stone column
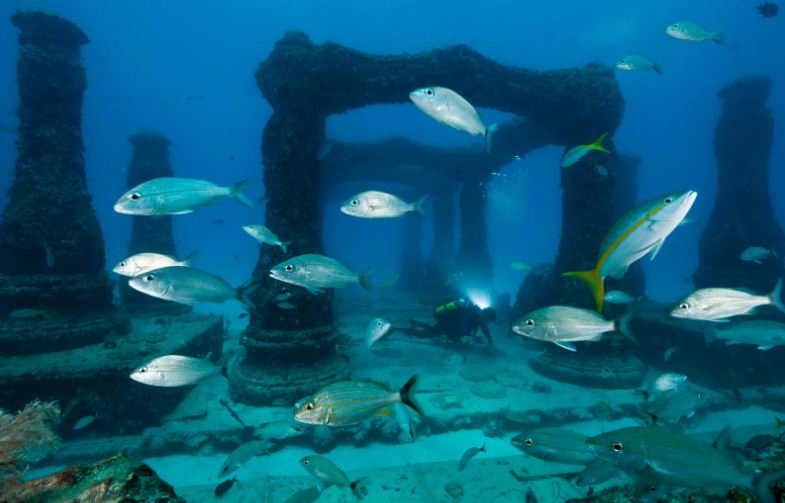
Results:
x,y
412,262
51,247
441,260
150,160
473,255
743,215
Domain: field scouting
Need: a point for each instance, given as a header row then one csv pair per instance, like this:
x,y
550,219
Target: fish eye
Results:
x,y
529,323
149,277
379,323
529,441
306,462
122,264
683,306
288,268
617,447
143,370
134,196
309,406
668,200
355,202
701,395
429,92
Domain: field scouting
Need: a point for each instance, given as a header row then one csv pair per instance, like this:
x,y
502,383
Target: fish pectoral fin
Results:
x,y
764,348
184,212
656,249
314,290
566,345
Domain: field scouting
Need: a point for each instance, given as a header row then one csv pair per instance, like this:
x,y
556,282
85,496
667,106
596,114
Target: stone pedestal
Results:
x,y
743,215
149,234
51,247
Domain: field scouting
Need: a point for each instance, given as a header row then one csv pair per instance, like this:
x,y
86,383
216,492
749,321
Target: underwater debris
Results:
x,y
25,437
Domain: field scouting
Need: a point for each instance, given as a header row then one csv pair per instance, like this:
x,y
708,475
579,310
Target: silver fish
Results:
x,y
756,254
285,305
265,235
634,62
279,430
242,455
186,285
468,455
27,313
671,406
719,304
665,382
172,371
451,109
761,333
560,445
83,422
376,329
317,272
618,297
563,325
146,262
176,196
308,495
685,30
377,204
326,472
596,473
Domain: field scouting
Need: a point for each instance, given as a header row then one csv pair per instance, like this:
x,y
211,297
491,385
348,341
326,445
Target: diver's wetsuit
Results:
x,y
464,320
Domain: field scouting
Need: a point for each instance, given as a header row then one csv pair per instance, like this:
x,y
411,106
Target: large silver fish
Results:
x,y
317,272
176,196
377,204
563,325
764,334
351,402
639,232
146,262
264,235
172,371
186,285
450,108
560,445
720,304
686,30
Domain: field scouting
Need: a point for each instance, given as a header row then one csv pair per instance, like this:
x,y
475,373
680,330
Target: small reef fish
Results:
x,y
756,254
450,108
638,63
186,285
176,196
83,422
664,382
265,235
279,430
618,297
377,204
317,272
575,154
761,333
640,231
376,329
560,445
146,262
519,266
676,460
563,325
351,402
468,455
719,304
304,496
242,455
224,487
326,472
285,305
455,359
172,371
22,314
671,406
685,30
601,170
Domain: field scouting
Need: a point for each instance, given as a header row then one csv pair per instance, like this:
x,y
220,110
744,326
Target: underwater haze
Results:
x,y
403,366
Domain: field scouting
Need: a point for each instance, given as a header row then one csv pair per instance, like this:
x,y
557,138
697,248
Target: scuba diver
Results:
x,y
457,321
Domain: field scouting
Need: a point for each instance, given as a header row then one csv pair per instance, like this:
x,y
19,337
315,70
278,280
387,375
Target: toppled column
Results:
x,y
150,160
51,247
743,215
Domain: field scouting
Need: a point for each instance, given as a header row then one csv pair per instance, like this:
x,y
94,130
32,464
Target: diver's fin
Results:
x,y
489,132
776,296
597,145
235,192
417,205
407,394
566,345
595,282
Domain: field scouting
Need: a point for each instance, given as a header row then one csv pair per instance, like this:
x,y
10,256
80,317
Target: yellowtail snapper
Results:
x,y
577,153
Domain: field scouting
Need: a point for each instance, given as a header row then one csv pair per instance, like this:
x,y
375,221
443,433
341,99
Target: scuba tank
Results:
x,y
440,311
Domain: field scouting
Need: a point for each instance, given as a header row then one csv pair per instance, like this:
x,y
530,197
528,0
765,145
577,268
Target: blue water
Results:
x,y
185,68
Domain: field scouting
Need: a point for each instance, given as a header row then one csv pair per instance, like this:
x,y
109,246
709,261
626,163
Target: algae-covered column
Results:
x,y
150,160
290,352
743,215
441,259
51,247
412,263
473,255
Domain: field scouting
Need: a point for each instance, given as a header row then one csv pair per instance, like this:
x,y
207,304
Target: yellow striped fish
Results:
x,y
640,231
350,402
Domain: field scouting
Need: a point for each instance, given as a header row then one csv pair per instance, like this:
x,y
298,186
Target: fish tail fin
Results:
x,y
408,395
489,132
657,67
762,482
622,325
483,449
716,37
190,258
776,296
644,394
595,282
653,418
365,277
389,280
244,292
353,485
597,145
284,244
235,192
417,205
